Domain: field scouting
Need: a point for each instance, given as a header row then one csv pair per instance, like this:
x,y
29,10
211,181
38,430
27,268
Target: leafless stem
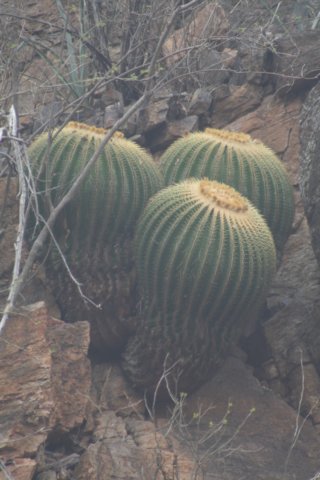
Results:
x,y
19,154
7,474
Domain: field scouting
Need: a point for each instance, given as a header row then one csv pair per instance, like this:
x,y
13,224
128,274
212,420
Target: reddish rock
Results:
x,y
253,430
123,445
45,380
208,23
277,125
239,101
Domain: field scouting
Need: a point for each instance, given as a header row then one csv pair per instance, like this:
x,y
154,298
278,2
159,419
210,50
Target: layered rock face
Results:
x,y
310,169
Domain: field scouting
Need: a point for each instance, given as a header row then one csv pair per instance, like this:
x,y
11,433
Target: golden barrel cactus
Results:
x,y
205,258
245,164
94,231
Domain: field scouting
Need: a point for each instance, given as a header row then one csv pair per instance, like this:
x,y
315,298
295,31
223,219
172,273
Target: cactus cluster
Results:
x,y
205,259
94,230
196,259
238,160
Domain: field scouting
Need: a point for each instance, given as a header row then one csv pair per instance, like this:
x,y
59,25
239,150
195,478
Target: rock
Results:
x,y
48,115
200,102
160,138
276,124
253,429
70,372
298,61
154,114
122,444
111,391
108,95
112,113
293,335
229,57
237,103
150,118
310,171
210,68
294,295
208,23
44,374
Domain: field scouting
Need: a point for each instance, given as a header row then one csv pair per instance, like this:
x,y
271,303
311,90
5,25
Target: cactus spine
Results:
x,y
236,159
205,260
95,229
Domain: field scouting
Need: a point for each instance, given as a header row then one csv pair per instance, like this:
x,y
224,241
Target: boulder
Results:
x,y
200,102
298,61
293,300
276,124
249,430
45,381
161,137
122,444
234,103
207,23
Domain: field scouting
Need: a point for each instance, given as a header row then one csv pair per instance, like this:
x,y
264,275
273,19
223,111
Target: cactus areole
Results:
x,y
203,251
238,160
113,194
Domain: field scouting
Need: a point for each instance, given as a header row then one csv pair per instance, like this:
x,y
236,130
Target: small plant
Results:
x,y
93,233
205,258
237,160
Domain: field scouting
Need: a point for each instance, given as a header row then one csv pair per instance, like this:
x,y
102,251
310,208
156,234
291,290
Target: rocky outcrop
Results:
x,y
310,171
298,60
45,382
291,334
255,434
119,441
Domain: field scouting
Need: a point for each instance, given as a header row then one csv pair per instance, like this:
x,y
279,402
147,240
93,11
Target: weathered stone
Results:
x,y
151,118
298,61
304,385
241,100
200,102
44,374
310,170
154,114
207,23
160,138
49,475
108,95
210,68
123,444
112,113
70,372
253,422
229,57
277,125
112,392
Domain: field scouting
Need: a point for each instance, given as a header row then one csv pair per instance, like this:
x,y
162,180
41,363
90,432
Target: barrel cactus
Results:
x,y
238,160
205,258
95,229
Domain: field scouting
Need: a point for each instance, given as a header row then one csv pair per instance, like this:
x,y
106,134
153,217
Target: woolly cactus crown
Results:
x,y
238,160
115,191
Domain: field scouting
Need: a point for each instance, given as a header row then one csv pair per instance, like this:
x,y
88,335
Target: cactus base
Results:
x,y
108,281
